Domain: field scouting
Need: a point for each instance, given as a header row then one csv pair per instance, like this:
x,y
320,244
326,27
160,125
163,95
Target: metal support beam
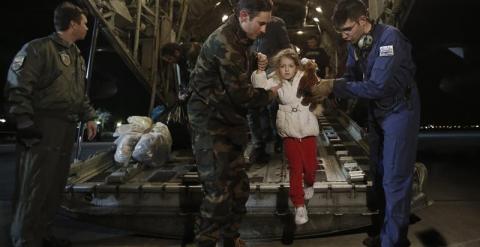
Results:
x,y
137,30
183,19
375,8
91,54
156,44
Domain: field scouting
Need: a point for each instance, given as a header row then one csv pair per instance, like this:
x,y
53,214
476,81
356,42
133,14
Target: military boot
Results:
x,y
372,241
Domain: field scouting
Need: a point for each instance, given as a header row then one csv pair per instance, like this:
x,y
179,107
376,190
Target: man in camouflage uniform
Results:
x,y
45,91
222,92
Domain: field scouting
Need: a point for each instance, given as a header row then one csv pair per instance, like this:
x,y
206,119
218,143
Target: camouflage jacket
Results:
x,y
220,82
48,76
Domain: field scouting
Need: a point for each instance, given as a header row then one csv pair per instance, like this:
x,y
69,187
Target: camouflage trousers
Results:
x,y
221,168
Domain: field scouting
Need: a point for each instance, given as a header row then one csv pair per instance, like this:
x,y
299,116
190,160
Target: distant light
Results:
x,y
2,120
300,32
98,122
119,124
315,19
218,3
319,9
224,18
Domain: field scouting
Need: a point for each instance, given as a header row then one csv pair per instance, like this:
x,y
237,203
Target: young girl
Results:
x,y
297,125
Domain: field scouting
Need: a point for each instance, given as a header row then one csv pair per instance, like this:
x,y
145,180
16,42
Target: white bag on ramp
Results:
x,y
154,148
125,145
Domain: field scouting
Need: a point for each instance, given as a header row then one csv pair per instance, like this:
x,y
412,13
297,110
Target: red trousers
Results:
x,y
302,163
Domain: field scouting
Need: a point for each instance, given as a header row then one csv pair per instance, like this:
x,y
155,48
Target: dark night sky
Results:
x,y
448,84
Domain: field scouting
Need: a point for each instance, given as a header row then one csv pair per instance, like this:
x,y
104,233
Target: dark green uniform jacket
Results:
x,y
222,90
48,76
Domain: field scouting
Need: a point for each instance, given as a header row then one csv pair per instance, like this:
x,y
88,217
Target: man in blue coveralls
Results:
x,y
380,69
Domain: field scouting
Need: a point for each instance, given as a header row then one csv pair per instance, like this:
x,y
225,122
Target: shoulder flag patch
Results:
x,y
18,62
386,51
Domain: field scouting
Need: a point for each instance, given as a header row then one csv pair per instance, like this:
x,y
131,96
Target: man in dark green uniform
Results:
x,y
45,93
221,94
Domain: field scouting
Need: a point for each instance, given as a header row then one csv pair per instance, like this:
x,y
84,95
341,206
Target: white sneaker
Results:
x,y
308,192
301,215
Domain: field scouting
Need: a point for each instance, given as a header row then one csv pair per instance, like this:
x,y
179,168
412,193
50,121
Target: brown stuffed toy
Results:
x,y
307,82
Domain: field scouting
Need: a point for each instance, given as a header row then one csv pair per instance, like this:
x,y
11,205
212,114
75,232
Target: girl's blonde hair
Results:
x,y
288,53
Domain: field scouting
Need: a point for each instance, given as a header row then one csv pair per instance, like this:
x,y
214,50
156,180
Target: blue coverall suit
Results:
x,y
384,74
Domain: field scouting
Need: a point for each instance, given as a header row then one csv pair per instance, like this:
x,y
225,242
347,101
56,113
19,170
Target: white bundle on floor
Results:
x,y
153,149
125,144
128,136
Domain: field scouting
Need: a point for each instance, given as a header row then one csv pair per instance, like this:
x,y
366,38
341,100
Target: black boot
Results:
x,y
372,241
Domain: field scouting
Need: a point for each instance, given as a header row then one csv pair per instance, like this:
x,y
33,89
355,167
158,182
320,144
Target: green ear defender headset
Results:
x,y
365,42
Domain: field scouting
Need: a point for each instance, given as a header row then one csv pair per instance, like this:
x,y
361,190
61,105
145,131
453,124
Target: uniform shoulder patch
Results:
x,y
386,51
18,62
65,58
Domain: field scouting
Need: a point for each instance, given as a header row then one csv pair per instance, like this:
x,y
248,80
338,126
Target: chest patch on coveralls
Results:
x,y
386,51
18,62
65,58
